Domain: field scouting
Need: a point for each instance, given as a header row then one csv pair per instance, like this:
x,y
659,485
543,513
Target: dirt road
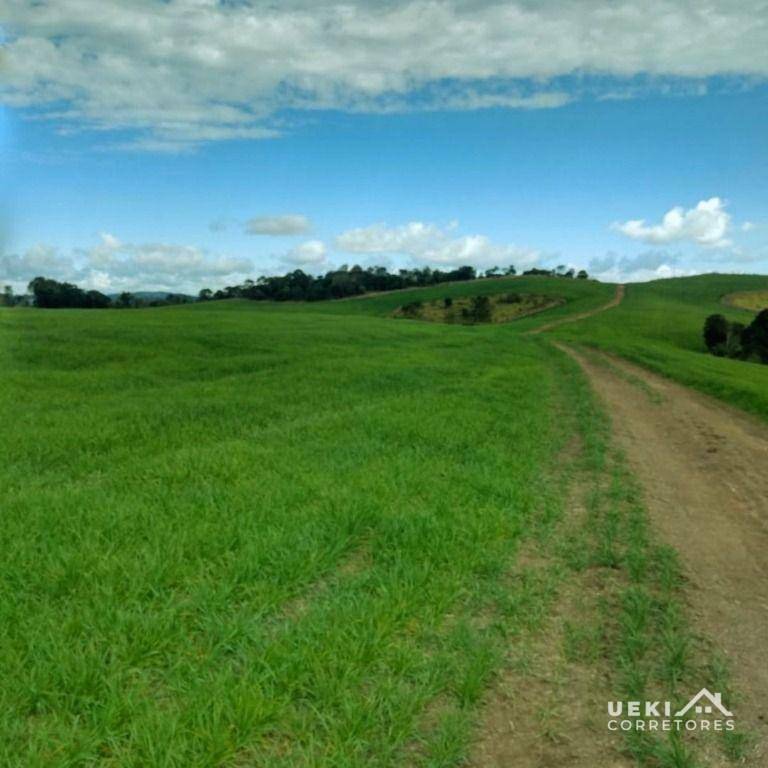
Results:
x,y
704,470
614,302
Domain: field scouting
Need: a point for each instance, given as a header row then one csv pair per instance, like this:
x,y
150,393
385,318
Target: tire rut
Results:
x,y
702,467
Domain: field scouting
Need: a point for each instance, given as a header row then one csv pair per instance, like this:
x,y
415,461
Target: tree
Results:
x,y
716,333
510,270
582,275
95,300
493,272
126,300
481,309
755,337
206,294
8,296
734,346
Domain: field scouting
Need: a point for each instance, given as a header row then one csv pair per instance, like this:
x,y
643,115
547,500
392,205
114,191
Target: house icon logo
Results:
x,y
714,703
703,712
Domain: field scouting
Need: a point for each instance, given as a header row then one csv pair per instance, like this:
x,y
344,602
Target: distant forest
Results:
x,y
294,286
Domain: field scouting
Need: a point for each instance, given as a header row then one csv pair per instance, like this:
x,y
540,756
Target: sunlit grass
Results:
x,y
660,325
237,536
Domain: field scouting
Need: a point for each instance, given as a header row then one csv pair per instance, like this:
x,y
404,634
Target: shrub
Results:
x,y
447,302
734,340
481,309
413,309
755,337
734,346
715,333
511,298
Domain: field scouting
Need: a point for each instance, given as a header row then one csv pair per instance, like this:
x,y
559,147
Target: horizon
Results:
x,y
232,140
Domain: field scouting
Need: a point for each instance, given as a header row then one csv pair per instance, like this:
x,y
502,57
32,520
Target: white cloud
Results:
x,y
649,265
36,261
747,226
428,243
706,224
178,73
112,265
286,224
310,253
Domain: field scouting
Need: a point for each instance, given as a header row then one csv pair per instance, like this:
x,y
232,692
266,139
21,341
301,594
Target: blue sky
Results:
x,y
654,169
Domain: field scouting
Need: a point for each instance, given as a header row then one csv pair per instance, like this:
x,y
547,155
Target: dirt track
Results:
x,y
614,302
703,467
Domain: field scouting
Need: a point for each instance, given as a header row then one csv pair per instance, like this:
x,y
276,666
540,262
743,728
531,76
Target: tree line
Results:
x,y
736,340
296,285
355,281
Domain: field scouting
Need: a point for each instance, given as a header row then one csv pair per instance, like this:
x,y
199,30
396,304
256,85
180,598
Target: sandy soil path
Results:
x,y
704,469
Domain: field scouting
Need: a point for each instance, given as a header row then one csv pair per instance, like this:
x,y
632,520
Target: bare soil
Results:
x,y
544,711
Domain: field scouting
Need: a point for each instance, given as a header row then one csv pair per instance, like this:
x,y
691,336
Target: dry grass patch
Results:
x,y
753,301
469,310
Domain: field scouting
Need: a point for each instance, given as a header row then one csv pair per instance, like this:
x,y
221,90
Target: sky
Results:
x,y
175,145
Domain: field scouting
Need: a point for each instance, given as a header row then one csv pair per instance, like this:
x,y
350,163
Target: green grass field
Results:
x,y
237,531
287,535
659,325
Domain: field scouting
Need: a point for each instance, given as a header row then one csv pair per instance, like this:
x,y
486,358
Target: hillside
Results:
x,y
659,325
312,534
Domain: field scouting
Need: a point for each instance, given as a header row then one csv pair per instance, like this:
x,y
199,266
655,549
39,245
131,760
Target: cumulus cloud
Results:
x,y
286,224
648,265
428,243
177,73
309,253
706,224
747,226
112,265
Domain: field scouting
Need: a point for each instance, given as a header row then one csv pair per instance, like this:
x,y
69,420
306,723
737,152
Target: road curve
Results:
x,y
614,302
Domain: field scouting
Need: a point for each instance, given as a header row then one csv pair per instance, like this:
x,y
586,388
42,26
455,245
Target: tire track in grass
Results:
x,y
618,628
698,462
614,302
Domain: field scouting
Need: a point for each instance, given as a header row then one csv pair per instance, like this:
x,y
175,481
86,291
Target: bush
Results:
x,y
734,340
413,309
734,346
447,302
715,333
511,298
481,309
755,337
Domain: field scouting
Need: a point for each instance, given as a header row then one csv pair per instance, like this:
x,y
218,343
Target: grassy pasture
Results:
x,y
578,296
289,535
235,534
660,324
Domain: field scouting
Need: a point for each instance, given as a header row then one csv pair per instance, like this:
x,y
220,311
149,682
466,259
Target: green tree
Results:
x,y
126,300
481,309
8,296
716,333
755,337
